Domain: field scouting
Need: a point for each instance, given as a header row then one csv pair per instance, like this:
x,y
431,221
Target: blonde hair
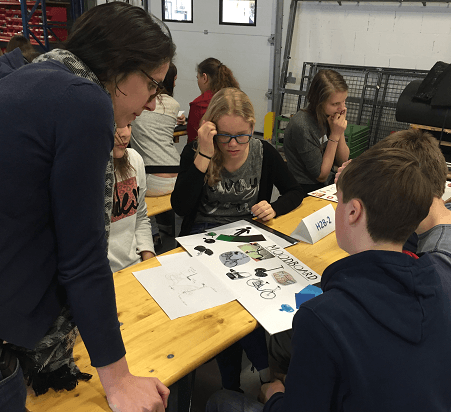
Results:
x,y
228,101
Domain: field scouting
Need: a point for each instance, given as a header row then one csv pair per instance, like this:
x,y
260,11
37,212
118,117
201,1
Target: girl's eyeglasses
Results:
x,y
159,87
240,138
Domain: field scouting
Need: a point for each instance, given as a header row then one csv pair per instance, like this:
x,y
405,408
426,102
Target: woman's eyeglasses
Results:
x,y
159,87
240,138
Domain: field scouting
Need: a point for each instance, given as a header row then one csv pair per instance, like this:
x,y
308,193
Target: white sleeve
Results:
x,y
143,229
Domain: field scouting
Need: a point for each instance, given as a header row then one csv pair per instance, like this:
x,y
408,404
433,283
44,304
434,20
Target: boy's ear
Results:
x,y
355,211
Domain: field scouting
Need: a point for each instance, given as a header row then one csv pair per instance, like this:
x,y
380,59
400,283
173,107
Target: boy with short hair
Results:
x,y
434,232
378,338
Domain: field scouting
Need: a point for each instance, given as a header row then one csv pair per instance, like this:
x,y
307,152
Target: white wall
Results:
x,y
396,35
245,50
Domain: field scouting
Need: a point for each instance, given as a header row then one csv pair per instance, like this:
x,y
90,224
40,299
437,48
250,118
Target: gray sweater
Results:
x,y
152,136
304,145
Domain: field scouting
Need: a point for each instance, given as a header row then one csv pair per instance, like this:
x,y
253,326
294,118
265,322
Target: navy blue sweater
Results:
x,y
377,340
56,138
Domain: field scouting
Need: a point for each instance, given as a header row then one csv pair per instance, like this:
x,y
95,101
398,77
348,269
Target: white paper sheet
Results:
x,y
326,193
182,285
447,194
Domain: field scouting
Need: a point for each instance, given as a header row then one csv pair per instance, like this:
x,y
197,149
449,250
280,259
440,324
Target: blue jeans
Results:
x,y
13,392
231,401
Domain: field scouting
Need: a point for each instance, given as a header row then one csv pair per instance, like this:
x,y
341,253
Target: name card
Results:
x,y
314,227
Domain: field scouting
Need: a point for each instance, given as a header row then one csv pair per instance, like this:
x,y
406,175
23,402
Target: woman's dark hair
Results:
x,y
323,85
116,39
219,74
169,79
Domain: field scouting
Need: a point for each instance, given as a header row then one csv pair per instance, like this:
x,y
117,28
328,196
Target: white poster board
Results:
x,y
264,275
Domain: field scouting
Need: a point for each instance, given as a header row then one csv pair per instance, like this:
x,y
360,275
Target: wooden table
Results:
x,y
176,135
159,204
157,346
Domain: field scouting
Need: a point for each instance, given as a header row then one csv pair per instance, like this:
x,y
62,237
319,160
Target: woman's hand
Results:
x,y
181,119
263,210
146,254
205,136
337,124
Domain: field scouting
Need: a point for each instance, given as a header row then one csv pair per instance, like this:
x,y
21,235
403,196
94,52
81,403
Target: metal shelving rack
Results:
x,y
76,8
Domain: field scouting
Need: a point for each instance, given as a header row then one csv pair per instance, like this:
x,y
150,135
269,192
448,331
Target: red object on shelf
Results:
x,y
11,21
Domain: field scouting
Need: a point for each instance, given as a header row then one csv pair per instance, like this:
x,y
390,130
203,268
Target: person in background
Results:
x,y
54,268
20,41
19,52
225,176
130,233
152,138
378,338
212,76
314,138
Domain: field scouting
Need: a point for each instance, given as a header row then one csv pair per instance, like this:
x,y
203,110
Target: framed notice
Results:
x,y
238,12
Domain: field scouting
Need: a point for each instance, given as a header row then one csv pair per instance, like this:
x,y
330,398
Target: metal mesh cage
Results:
x,y
372,95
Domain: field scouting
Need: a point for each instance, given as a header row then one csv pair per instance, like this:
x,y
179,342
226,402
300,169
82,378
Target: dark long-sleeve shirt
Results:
x,y
56,138
190,182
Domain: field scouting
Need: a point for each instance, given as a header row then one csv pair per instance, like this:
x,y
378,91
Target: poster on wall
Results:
x,y
262,274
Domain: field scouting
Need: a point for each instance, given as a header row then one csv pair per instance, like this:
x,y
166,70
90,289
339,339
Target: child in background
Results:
x,y
314,138
152,138
227,175
130,231
212,76
378,338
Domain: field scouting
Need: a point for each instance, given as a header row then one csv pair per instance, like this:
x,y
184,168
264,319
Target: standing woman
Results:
x,y
227,175
212,76
58,167
314,138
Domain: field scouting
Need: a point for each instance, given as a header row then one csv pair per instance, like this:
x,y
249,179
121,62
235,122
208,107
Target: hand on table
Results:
x,y
269,389
337,124
263,210
128,393
139,394
146,254
340,169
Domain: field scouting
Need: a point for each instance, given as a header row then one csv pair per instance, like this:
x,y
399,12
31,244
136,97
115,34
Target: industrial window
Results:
x,y
177,10
238,12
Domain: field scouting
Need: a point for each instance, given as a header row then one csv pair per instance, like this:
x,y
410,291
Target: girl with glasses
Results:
x,y
225,176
